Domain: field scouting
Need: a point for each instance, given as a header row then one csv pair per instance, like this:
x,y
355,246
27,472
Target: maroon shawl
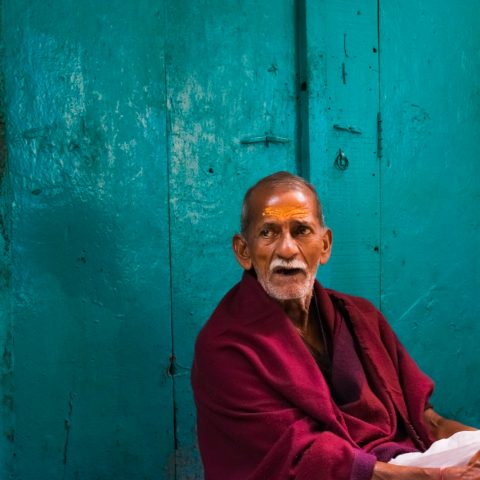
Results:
x,y
265,410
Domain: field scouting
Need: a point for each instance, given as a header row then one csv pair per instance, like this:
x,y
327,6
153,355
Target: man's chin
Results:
x,y
287,287
282,292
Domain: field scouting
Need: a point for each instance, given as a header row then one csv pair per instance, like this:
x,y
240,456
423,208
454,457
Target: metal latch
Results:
x,y
266,139
348,129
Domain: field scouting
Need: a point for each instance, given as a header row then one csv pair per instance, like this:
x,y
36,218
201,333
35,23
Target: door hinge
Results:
x,y
379,136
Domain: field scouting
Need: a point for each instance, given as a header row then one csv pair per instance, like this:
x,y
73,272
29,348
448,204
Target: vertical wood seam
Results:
x,y
7,393
168,130
302,88
379,156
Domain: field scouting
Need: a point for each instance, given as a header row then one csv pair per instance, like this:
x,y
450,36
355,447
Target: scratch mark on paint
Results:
x,y
345,45
139,173
417,302
68,426
344,74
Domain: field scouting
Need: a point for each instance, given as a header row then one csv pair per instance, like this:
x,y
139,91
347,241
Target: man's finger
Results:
x,y
475,459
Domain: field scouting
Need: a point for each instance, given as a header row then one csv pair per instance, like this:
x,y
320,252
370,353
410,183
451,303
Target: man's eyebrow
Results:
x,y
303,222
267,224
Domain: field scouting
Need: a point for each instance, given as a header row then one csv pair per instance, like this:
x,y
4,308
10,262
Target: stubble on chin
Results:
x,y
287,292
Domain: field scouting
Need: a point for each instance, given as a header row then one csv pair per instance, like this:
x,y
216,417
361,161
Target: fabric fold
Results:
x,y
265,411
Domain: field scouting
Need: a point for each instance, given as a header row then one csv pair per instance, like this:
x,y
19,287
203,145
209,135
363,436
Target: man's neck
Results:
x,y
297,310
305,321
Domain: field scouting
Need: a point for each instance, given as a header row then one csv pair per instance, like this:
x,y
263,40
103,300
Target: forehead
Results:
x,y
283,203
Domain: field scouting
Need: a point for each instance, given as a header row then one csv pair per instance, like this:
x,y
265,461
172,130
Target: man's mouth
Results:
x,y
287,271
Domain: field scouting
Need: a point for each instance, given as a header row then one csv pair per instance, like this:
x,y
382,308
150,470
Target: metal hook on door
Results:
x,y
266,139
348,129
341,160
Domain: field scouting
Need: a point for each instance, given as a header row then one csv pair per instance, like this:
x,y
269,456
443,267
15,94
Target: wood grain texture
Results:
x,y
430,93
343,92
230,76
132,132
90,291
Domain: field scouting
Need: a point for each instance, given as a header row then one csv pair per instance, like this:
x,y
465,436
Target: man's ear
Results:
x,y
242,253
326,244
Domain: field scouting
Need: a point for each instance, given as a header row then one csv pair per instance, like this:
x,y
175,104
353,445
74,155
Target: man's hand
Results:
x,y
441,427
387,471
475,460
468,472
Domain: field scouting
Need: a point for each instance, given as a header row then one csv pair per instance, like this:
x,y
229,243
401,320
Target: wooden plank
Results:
x,y
7,419
430,86
230,76
91,303
343,106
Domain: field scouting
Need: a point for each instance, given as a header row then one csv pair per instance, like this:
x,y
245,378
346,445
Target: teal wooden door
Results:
x,y
342,42
430,273
230,80
133,131
85,387
404,208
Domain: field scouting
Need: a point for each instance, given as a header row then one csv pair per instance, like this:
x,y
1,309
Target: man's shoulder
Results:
x,y
364,315
361,303
224,313
236,307
246,311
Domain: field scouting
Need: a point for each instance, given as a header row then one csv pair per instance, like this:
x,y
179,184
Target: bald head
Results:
x,y
275,181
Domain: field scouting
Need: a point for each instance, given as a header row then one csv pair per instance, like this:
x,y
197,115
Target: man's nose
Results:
x,y
287,248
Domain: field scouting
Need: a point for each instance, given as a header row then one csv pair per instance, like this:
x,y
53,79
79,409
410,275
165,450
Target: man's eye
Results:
x,y
265,233
302,230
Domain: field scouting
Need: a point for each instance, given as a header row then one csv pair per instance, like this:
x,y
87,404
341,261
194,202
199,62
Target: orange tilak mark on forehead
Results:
x,y
285,213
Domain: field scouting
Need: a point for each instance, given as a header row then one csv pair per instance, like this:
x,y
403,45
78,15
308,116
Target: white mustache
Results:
x,y
280,263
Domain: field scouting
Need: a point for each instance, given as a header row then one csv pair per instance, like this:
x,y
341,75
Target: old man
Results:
x,y
292,380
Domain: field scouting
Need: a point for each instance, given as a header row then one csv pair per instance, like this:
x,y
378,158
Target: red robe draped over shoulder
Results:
x,y
265,410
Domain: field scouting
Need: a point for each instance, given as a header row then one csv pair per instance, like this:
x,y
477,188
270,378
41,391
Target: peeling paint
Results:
x,y
86,139
87,132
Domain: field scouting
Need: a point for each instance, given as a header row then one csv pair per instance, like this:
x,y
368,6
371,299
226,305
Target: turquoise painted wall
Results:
x,y
130,140
430,267
86,190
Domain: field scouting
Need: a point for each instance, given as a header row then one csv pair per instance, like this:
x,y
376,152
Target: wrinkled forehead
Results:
x,y
283,203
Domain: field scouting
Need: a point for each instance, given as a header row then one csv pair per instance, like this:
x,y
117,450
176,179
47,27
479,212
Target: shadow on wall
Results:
x,y
87,334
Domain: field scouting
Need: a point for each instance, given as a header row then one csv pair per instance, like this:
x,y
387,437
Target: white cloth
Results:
x,y
448,452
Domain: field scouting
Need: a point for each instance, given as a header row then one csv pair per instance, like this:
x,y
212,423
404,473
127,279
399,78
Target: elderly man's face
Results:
x,y
285,243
